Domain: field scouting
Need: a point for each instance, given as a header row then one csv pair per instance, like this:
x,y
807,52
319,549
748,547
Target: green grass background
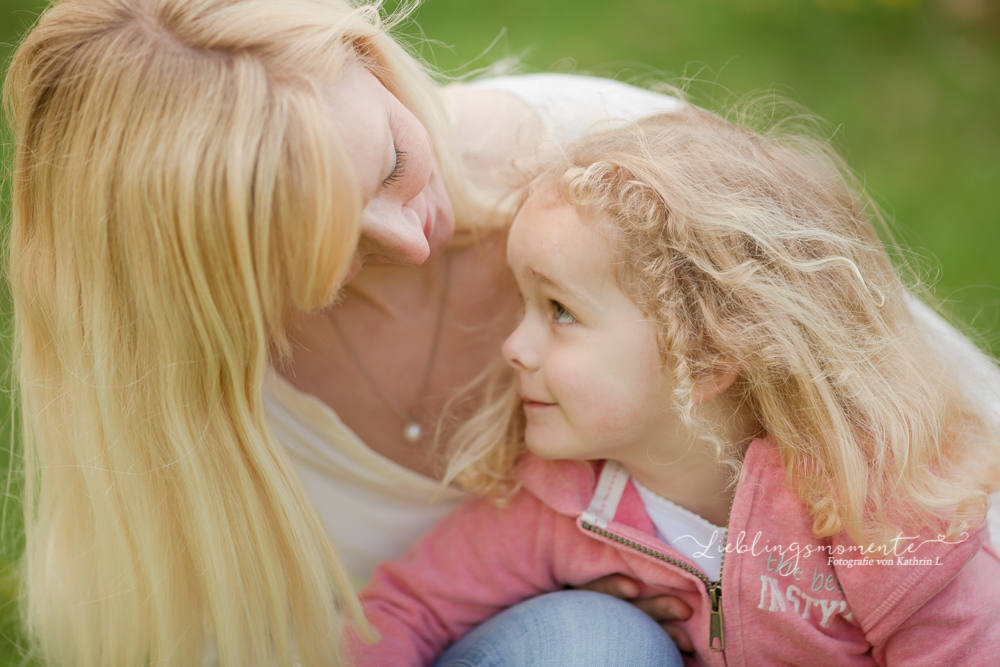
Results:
x,y
911,86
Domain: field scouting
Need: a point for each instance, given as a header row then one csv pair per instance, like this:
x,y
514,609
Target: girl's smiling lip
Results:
x,y
531,403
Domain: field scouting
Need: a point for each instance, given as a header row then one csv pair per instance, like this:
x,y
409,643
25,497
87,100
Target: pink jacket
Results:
x,y
811,603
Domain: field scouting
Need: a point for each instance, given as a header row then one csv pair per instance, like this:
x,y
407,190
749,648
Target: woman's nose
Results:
x,y
392,233
418,206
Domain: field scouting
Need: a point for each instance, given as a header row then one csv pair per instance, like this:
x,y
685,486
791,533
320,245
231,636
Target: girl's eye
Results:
x,y
397,170
560,315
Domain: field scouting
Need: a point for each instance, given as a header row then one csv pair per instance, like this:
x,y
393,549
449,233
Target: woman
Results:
x,y
194,181
185,187
180,190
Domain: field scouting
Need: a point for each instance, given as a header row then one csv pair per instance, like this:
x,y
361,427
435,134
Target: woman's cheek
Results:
x,y
444,216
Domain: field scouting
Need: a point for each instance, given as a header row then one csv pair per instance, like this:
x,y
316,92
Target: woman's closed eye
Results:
x,y
560,315
397,169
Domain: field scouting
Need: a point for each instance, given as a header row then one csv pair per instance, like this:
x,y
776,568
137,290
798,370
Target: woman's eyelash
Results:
x,y
397,170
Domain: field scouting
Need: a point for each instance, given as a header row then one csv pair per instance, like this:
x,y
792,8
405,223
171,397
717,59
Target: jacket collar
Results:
x,y
570,487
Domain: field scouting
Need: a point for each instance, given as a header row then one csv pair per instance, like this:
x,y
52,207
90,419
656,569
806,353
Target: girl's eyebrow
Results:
x,y
576,294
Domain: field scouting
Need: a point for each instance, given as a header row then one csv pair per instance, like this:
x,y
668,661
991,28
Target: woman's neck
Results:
x,y
396,291
392,319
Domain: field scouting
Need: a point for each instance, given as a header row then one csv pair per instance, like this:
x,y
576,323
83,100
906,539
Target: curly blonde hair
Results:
x,y
756,251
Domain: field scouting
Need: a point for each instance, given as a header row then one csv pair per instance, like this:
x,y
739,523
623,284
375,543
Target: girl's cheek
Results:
x,y
591,406
611,422
612,409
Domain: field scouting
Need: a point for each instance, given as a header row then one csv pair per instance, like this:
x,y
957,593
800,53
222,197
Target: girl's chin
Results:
x,y
545,446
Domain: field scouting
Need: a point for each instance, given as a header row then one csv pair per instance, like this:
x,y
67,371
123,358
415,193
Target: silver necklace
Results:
x,y
413,431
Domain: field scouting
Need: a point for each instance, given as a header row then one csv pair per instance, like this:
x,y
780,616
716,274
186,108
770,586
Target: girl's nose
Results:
x,y
519,350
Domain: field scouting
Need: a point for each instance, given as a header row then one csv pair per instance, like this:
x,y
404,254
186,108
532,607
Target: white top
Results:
x,y
373,507
569,105
700,540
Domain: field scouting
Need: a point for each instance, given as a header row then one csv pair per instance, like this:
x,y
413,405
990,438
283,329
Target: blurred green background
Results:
x,y
911,86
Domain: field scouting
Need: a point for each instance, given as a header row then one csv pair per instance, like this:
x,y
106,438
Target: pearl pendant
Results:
x,y
412,431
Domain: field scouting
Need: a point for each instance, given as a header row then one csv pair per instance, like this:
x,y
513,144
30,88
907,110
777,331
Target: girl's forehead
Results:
x,y
557,241
544,221
546,216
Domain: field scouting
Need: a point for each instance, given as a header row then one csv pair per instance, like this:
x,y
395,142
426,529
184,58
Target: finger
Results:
x,y
616,585
681,638
664,608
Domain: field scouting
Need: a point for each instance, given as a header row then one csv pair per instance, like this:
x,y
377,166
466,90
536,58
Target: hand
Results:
x,y
661,608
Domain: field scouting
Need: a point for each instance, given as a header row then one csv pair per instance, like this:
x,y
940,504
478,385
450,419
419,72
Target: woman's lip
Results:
x,y
536,404
428,224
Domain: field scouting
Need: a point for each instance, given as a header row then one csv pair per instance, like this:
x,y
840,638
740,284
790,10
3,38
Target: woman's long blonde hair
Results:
x,y
757,252
179,190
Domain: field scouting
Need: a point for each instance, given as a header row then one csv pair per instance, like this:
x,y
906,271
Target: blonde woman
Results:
x,y
194,182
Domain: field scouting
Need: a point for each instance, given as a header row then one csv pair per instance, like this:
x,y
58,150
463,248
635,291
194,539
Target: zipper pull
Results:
x,y
715,619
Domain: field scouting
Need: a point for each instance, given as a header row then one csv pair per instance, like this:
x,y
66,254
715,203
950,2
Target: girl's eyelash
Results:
x,y
560,315
397,170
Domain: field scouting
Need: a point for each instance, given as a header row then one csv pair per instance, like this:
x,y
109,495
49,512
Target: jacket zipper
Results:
x,y
714,588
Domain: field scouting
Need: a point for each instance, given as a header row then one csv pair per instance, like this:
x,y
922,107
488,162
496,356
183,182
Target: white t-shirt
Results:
x,y
569,106
700,540
373,508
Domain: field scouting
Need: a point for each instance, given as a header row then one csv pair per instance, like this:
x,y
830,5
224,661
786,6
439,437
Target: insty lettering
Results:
x,y
795,600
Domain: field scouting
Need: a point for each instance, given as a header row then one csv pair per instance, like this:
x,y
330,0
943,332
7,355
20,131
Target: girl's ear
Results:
x,y
711,387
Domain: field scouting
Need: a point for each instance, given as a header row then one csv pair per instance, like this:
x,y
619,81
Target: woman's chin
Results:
x,y
352,271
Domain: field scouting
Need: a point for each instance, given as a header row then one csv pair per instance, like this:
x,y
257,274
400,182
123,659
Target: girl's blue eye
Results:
x,y
397,169
560,315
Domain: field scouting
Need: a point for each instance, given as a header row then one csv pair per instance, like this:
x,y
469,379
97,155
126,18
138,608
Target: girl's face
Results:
x,y
407,215
590,374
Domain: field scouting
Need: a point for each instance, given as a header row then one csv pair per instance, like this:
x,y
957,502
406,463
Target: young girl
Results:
x,y
719,391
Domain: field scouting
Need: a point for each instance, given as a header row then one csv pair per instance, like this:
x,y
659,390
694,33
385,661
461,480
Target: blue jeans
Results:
x,y
566,629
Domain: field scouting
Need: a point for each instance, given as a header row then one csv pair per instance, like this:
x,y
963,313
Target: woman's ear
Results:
x,y
712,386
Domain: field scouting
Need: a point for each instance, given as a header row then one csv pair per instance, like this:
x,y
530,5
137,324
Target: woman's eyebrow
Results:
x,y
540,277
393,149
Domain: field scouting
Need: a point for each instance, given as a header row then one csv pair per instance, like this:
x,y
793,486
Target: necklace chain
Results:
x,y
413,430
